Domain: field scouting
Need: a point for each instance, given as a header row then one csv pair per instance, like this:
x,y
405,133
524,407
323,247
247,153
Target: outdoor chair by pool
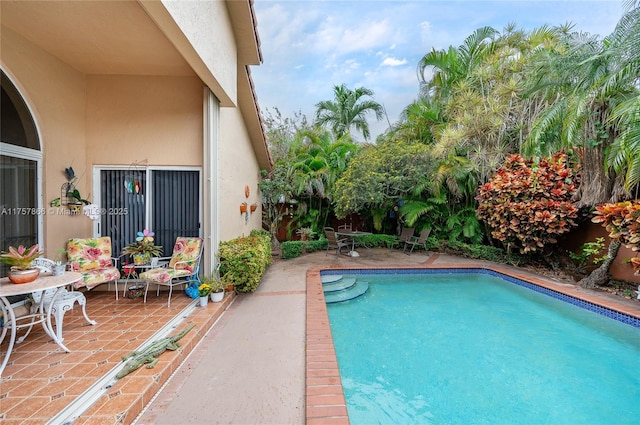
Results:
x,y
405,236
91,257
183,267
63,303
333,242
418,241
344,228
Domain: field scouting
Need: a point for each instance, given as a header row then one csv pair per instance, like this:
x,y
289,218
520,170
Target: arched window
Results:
x,y
20,167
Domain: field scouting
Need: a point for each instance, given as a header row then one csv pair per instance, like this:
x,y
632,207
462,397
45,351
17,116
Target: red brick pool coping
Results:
x,y
325,401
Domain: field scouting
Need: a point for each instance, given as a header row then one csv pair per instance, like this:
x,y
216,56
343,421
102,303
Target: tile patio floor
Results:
x,y
41,379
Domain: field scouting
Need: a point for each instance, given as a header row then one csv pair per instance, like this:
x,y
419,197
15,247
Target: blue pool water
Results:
x,y
476,349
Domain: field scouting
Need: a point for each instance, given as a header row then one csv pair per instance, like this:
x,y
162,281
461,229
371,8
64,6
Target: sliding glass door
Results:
x,y
165,201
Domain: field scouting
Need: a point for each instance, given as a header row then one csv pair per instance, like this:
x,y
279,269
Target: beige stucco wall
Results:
x,y
238,168
55,94
144,120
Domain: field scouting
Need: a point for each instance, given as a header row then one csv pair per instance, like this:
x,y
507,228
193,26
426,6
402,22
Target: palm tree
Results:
x,y
454,64
348,109
624,155
318,162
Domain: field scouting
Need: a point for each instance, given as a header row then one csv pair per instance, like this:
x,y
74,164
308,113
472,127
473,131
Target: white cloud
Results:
x,y
393,62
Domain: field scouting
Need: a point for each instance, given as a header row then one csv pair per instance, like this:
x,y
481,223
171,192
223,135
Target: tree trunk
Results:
x,y
600,276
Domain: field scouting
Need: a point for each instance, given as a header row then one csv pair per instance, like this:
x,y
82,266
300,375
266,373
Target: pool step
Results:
x,y
339,285
330,278
353,291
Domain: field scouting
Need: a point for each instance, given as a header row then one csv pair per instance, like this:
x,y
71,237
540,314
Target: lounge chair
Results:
x,y
91,257
183,266
418,241
333,242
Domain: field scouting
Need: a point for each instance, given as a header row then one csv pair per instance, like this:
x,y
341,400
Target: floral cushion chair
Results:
x,y
92,258
183,266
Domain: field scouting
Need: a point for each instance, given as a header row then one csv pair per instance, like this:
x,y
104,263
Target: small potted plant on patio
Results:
x,y
19,260
143,248
203,291
217,287
61,262
305,233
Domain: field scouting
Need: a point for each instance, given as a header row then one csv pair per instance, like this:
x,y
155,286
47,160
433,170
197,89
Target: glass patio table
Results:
x,y
43,316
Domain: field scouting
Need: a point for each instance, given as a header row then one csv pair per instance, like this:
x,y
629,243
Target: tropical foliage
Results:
x,y
378,178
527,205
499,115
348,109
622,221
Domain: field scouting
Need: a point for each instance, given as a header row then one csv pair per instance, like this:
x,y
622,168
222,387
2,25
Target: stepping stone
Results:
x,y
330,278
340,285
348,294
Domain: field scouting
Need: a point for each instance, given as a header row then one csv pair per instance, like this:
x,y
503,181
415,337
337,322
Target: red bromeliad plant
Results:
x,y
527,204
622,221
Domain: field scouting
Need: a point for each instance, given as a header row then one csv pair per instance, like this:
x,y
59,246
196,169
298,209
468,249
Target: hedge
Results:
x,y
244,260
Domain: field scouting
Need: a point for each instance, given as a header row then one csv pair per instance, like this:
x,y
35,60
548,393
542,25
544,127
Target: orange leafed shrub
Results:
x,y
526,204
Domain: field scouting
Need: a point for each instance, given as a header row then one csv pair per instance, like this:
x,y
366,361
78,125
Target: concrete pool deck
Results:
x,y
269,359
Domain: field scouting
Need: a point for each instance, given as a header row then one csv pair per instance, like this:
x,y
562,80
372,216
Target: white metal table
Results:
x,y
42,283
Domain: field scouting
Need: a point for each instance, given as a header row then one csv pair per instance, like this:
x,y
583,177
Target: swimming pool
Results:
x,y
477,347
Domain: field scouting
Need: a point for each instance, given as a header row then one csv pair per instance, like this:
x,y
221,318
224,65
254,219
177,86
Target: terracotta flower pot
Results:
x,y
243,208
23,276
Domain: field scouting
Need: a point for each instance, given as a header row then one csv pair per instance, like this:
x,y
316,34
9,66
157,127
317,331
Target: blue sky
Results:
x,y
310,46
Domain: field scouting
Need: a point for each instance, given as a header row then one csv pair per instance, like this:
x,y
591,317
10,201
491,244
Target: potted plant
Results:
x,y
203,291
142,250
61,264
19,260
305,233
217,287
75,201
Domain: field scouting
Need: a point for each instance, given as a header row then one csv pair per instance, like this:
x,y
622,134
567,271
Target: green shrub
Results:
x,y
291,249
373,241
479,252
244,260
313,246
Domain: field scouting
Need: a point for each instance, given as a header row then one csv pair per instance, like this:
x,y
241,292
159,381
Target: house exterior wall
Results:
x,y
56,96
237,170
147,120
86,119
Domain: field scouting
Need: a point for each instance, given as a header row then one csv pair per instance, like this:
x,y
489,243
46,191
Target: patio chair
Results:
x,y
63,303
183,267
405,235
418,241
344,228
91,257
333,242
